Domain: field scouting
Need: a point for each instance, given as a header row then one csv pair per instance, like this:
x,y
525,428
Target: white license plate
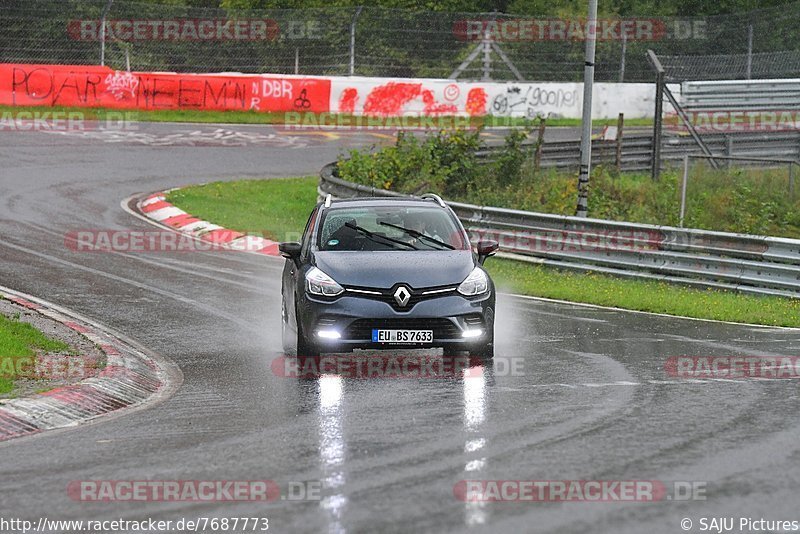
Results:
x,y
402,336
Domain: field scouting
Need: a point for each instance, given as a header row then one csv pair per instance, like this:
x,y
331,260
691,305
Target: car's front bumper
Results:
x,y
353,318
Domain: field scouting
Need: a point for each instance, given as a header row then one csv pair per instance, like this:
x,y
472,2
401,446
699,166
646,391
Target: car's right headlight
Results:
x,y
319,283
476,283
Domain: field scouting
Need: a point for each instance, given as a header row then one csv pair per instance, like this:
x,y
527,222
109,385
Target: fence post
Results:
x,y
620,124
683,188
749,50
487,56
353,40
106,9
537,158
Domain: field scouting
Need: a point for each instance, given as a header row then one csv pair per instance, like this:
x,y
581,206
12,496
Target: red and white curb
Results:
x,y
155,207
131,378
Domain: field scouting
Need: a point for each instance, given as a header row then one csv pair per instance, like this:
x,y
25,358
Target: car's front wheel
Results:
x,y
305,347
294,340
485,351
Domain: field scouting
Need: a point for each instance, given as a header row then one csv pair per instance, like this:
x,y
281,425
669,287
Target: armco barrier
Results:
x,y
733,95
637,150
748,263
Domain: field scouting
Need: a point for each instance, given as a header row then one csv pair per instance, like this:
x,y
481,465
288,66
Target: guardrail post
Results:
x,y
728,150
620,124
537,158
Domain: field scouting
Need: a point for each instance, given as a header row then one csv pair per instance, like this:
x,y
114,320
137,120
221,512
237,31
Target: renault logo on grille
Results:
x,y
402,295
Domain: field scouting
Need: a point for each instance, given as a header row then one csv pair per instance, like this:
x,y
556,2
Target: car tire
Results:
x,y
485,351
305,348
287,340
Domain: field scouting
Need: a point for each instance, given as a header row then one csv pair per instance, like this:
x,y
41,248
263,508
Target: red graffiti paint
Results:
x,y
348,100
476,101
88,86
389,99
434,108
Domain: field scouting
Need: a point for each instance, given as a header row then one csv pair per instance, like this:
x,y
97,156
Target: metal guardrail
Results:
x,y
747,263
740,95
637,151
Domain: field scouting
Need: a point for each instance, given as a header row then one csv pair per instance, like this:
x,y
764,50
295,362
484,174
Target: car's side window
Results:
x,y
306,243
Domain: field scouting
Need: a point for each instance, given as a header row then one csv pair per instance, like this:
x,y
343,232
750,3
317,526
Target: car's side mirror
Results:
x,y
485,249
290,251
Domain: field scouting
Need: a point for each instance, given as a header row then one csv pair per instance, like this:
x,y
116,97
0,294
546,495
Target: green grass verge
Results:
x,y
257,117
282,206
18,340
276,209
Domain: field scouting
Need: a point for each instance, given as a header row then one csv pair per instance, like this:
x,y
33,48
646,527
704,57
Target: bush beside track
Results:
x,y
279,208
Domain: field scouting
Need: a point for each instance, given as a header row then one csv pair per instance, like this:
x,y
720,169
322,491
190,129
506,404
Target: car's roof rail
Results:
x,y
433,196
328,200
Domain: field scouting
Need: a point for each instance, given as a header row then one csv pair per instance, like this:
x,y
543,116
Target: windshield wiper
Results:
x,y
373,236
418,235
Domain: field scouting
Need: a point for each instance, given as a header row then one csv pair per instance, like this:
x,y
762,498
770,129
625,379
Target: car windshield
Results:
x,y
379,228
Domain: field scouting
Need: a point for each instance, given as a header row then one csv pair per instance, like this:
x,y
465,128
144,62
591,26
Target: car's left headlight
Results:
x,y
319,283
476,283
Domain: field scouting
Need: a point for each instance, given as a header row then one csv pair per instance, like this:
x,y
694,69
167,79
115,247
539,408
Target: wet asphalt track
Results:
x,y
593,402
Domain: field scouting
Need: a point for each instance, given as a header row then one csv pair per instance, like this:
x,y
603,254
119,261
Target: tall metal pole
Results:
x,y
353,40
657,118
622,58
586,135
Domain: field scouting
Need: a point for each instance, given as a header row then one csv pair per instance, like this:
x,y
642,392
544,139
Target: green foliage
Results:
x,y
733,200
444,162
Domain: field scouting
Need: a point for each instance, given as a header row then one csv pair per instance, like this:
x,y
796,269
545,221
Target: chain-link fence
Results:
x,y
373,41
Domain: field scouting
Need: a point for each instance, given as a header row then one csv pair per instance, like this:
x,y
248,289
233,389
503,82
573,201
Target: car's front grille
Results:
x,y
442,328
387,295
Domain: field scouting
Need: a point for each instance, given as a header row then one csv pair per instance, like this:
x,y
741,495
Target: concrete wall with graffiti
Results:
x,y
90,86
390,97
